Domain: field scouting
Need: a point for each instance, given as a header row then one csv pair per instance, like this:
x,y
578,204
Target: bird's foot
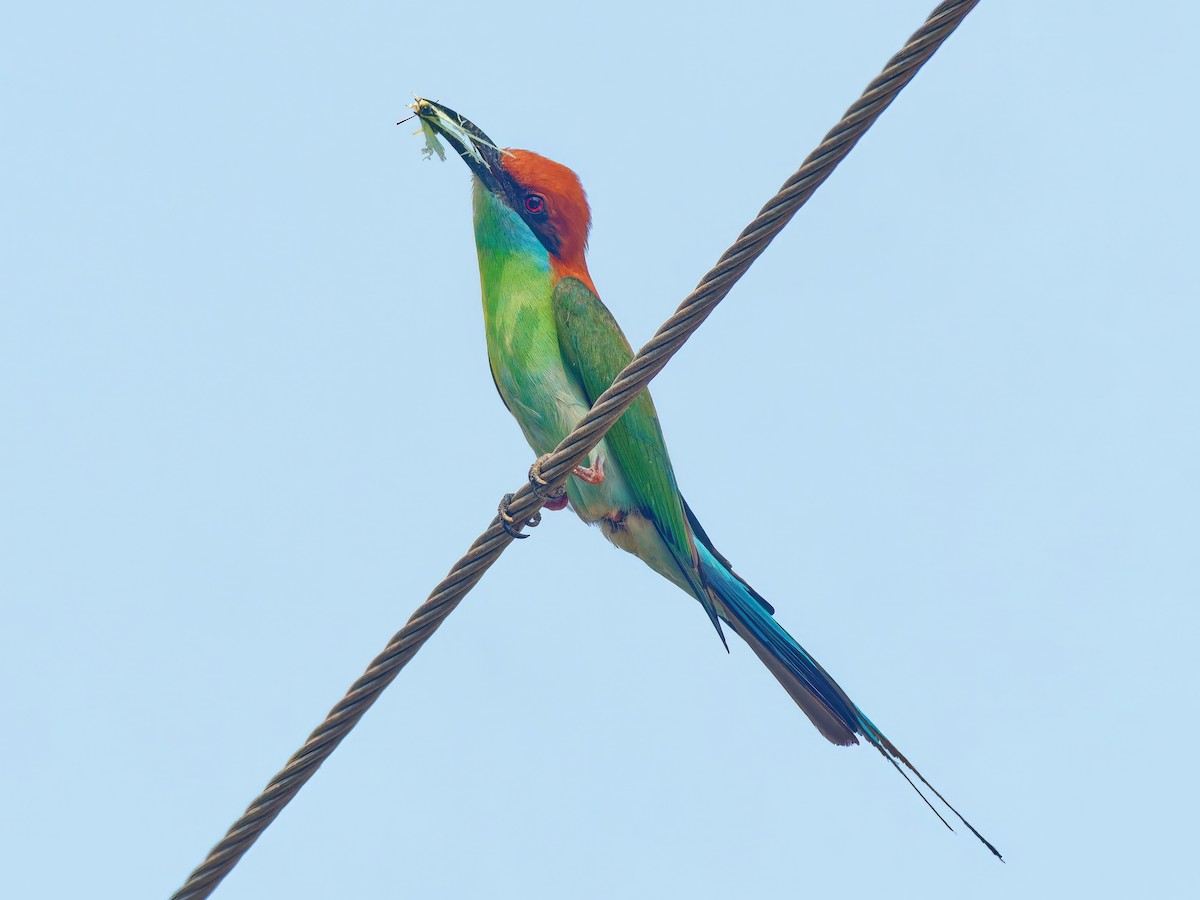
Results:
x,y
509,524
554,501
593,474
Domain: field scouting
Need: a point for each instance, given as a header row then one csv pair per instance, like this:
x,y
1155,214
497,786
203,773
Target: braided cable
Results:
x,y
553,470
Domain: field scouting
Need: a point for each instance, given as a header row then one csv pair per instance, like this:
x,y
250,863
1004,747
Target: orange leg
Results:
x,y
593,474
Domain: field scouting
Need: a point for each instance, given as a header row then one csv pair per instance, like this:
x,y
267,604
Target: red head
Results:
x,y
549,197
546,195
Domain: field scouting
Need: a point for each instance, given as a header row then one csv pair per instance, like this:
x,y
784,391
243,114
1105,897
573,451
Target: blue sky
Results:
x,y
947,425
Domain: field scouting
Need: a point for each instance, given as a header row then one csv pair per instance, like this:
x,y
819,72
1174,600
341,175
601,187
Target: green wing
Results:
x,y
595,351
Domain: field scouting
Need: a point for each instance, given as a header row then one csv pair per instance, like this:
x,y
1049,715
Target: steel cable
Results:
x,y
555,467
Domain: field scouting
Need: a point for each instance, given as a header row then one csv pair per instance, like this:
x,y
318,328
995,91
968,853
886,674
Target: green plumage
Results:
x,y
595,351
553,349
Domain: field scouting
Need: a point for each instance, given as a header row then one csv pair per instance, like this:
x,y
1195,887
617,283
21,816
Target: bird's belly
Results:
x,y
542,401
547,404
548,414
634,533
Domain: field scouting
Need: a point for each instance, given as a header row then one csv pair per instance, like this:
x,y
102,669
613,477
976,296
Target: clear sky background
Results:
x,y
948,425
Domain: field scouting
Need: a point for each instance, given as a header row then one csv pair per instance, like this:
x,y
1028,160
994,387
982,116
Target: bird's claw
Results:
x,y
556,500
510,524
541,487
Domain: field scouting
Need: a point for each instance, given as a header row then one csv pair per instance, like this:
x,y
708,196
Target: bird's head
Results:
x,y
546,195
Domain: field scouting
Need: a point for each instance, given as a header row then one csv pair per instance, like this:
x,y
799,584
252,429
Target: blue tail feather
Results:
x,y
833,713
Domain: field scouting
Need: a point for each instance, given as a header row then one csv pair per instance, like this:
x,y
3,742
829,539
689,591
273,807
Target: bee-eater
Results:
x,y
553,348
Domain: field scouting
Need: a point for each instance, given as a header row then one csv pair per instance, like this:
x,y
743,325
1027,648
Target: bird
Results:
x,y
553,347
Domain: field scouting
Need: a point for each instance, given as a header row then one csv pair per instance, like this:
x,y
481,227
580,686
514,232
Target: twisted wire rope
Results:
x,y
556,466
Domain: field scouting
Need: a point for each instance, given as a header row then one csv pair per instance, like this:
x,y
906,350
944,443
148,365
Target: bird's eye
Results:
x,y
535,204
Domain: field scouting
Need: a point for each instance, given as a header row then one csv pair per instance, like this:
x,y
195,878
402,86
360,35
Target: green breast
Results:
x,y
518,315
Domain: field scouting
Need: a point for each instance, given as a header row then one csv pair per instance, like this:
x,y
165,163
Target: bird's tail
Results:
x,y
822,699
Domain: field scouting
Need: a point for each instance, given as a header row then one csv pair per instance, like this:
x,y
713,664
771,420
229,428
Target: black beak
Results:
x,y
478,151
